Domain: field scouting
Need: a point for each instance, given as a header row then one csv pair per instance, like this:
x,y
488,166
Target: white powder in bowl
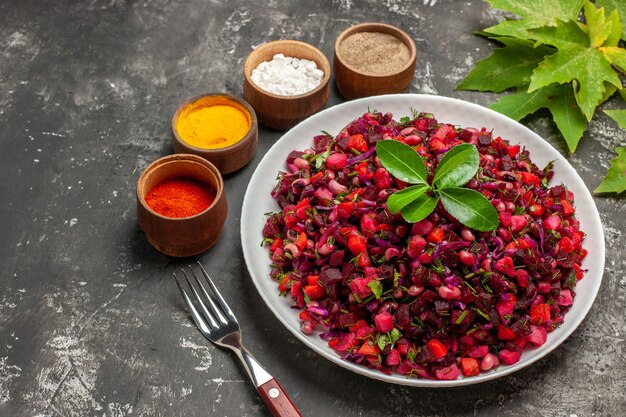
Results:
x,y
287,76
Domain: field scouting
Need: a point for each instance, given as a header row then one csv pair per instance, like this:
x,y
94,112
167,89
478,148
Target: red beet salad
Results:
x,y
432,299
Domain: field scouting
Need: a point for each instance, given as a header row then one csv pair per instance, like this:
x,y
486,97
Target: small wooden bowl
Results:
x,y
352,83
227,159
186,236
284,112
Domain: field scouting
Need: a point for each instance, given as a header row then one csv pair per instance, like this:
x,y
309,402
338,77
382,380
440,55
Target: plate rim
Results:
x,y
502,370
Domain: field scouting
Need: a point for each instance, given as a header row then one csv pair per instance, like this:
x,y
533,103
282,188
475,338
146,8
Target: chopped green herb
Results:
x,y
461,317
482,313
376,287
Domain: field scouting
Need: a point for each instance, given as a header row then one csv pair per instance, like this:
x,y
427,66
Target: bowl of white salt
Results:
x,y
285,82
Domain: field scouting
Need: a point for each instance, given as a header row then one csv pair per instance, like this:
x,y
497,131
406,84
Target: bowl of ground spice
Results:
x,y
373,59
285,82
219,127
181,204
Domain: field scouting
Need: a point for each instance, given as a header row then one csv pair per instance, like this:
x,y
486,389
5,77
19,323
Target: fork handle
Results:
x,y
277,400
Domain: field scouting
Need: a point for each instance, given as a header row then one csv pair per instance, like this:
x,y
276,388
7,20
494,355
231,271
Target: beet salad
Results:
x,y
432,299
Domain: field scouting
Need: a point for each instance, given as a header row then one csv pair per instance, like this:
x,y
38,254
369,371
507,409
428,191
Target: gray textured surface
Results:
x,y
90,322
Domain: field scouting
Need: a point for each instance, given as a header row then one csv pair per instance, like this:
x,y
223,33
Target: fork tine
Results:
x,y
219,297
214,308
207,315
194,313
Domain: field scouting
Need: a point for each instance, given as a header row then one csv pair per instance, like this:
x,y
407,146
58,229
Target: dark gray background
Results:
x,y
90,321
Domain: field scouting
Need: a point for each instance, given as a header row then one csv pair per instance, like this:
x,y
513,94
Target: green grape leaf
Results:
x,y
470,207
615,5
598,28
511,28
574,60
616,56
619,116
533,14
610,90
566,114
398,200
509,66
615,180
616,29
558,98
457,166
419,209
402,161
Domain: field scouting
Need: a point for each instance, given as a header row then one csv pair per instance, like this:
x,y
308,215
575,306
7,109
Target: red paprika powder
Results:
x,y
180,197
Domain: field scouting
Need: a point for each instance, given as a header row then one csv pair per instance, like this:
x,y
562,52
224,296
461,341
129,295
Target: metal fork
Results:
x,y
217,323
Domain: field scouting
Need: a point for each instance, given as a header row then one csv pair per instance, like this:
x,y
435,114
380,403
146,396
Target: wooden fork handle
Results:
x,y
276,400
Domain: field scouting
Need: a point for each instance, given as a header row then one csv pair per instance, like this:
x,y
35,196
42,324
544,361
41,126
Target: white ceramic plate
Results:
x,y
258,201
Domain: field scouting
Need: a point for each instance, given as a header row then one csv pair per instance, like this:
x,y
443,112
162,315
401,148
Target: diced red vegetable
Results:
x,y
277,243
565,298
384,322
505,333
537,336
393,358
448,373
436,235
540,313
337,161
357,143
357,244
369,348
518,223
553,222
506,266
469,367
436,348
509,357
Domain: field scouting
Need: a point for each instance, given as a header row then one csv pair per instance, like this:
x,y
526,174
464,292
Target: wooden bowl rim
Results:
x,y
371,27
247,71
173,159
249,136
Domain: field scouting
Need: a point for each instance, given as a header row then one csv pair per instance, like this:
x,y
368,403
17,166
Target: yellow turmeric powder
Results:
x,y
213,122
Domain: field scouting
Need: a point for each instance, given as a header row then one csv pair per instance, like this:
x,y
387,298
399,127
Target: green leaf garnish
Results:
x,y
401,161
470,208
398,200
457,166
455,169
419,209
